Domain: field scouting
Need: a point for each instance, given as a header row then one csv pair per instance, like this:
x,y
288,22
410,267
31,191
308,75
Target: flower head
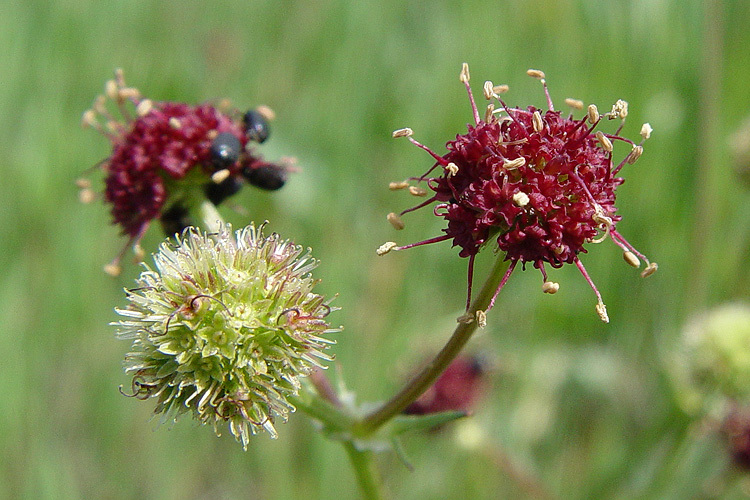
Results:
x,y
165,155
224,327
539,184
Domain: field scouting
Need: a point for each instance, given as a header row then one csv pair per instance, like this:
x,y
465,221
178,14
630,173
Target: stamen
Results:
x,y
395,221
417,191
481,318
515,163
631,259
635,153
606,143
464,77
593,114
386,247
574,103
395,186
502,283
403,132
144,107
646,131
452,169
488,90
650,269
266,112
110,88
521,199
220,175
175,123
619,110
500,89
601,309
550,287
488,112
536,119
535,73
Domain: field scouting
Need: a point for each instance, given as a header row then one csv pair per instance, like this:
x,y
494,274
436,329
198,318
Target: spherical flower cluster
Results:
x,y
166,155
537,183
224,327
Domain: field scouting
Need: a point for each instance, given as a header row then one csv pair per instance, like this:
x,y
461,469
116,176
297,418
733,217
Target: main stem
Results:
x,y
424,379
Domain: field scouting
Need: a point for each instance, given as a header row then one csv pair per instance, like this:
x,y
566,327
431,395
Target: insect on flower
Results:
x,y
168,156
539,184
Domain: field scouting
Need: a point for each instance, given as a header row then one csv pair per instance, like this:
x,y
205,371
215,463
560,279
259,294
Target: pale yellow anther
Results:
x,y
631,259
635,153
395,221
113,126
100,105
89,118
488,112
144,107
175,123
83,183
481,318
464,75
110,88
646,131
112,269
488,89
601,310
138,252
535,73
515,163
536,120
452,169
395,186
86,196
604,141
619,110
593,113
550,287
403,132
417,191
266,112
211,134
650,269
574,103
220,176
558,250
128,93
521,199
500,89
386,247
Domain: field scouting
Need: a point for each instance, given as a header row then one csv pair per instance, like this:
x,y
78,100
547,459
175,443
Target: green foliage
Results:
x,y
586,409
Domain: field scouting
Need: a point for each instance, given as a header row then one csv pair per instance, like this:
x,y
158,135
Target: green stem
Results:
x,y
424,379
367,475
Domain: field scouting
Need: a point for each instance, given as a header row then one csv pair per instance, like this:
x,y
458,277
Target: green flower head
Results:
x,y
225,327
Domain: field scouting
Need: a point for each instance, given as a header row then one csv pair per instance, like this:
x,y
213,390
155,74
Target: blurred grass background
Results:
x,y
587,409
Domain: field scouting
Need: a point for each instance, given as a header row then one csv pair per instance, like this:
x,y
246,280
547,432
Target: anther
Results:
x,y
488,112
488,88
386,247
175,123
500,89
395,221
403,132
635,153
619,110
128,93
112,269
601,310
521,199
650,269
89,118
110,88
220,175
631,259
86,195
395,186
604,141
266,112
464,75
646,131
144,107
452,169
535,73
550,287
574,103
593,113
515,163
536,119
417,191
481,318
465,319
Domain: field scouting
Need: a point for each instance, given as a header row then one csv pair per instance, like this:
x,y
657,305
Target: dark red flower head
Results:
x,y
537,183
167,155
